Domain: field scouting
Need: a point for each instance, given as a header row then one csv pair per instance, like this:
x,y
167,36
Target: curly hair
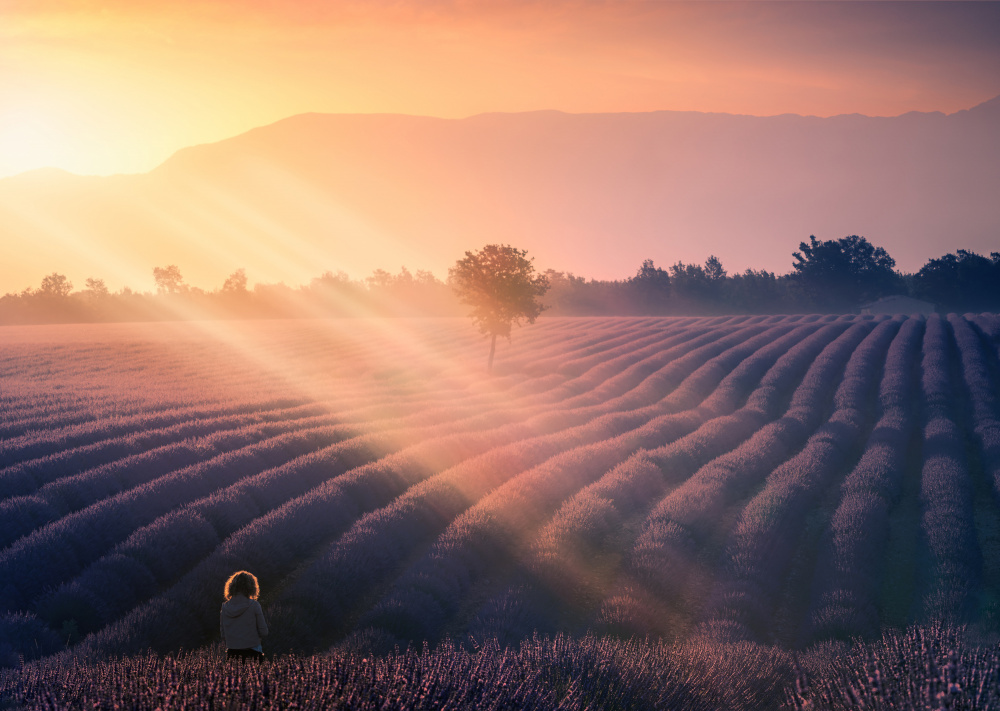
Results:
x,y
242,583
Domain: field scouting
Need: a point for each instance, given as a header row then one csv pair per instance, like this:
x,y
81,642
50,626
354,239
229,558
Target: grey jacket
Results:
x,y
242,623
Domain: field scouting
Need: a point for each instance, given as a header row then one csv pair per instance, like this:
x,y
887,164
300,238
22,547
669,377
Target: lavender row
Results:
x,y
545,420
63,548
430,502
711,371
659,567
27,514
609,381
759,553
589,347
428,595
273,544
666,551
329,593
557,574
51,477
850,565
35,409
946,493
350,570
38,444
981,383
156,556
235,506
624,384
490,533
188,445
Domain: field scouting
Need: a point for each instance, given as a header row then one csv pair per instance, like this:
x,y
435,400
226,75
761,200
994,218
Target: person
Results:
x,y
242,619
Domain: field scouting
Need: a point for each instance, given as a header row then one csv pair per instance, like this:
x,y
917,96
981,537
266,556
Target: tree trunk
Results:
x,y
493,348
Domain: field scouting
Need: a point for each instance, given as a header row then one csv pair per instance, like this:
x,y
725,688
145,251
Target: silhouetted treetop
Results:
x,y
236,283
55,285
960,282
714,269
841,274
96,288
652,287
168,279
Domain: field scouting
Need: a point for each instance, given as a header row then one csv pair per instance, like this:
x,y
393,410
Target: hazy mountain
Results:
x,y
590,193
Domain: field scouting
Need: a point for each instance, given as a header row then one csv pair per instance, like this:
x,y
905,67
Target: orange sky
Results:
x,y
117,86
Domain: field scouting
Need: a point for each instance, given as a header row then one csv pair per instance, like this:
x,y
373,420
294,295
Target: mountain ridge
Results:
x,y
993,103
316,192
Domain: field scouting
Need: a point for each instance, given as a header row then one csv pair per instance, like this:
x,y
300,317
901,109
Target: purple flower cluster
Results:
x,y
541,673
931,667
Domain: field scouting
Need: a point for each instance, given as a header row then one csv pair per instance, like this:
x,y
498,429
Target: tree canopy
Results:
x,y
56,285
965,281
168,279
841,274
500,284
652,286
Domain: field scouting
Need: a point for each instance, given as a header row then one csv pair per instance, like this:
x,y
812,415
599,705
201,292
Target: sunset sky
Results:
x,y
109,86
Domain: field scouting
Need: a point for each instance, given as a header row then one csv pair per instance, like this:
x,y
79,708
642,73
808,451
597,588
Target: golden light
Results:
x,y
32,138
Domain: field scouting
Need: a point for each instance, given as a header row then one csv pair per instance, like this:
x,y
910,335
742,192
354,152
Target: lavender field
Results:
x,y
766,483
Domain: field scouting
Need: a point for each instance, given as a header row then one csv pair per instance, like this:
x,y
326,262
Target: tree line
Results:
x,y
831,276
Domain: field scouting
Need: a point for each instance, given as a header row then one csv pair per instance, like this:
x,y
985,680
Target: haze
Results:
x,y
102,88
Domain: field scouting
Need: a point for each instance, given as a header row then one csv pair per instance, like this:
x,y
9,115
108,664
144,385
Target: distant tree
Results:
x,y
757,292
652,274
689,279
55,285
328,278
839,275
236,283
381,279
570,295
168,279
699,289
960,282
426,278
95,288
500,284
713,269
651,288
334,293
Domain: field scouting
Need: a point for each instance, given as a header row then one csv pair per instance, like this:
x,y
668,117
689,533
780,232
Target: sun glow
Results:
x,y
117,87
32,138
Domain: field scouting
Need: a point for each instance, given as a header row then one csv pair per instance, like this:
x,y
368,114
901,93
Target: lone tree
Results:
x,y
500,284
